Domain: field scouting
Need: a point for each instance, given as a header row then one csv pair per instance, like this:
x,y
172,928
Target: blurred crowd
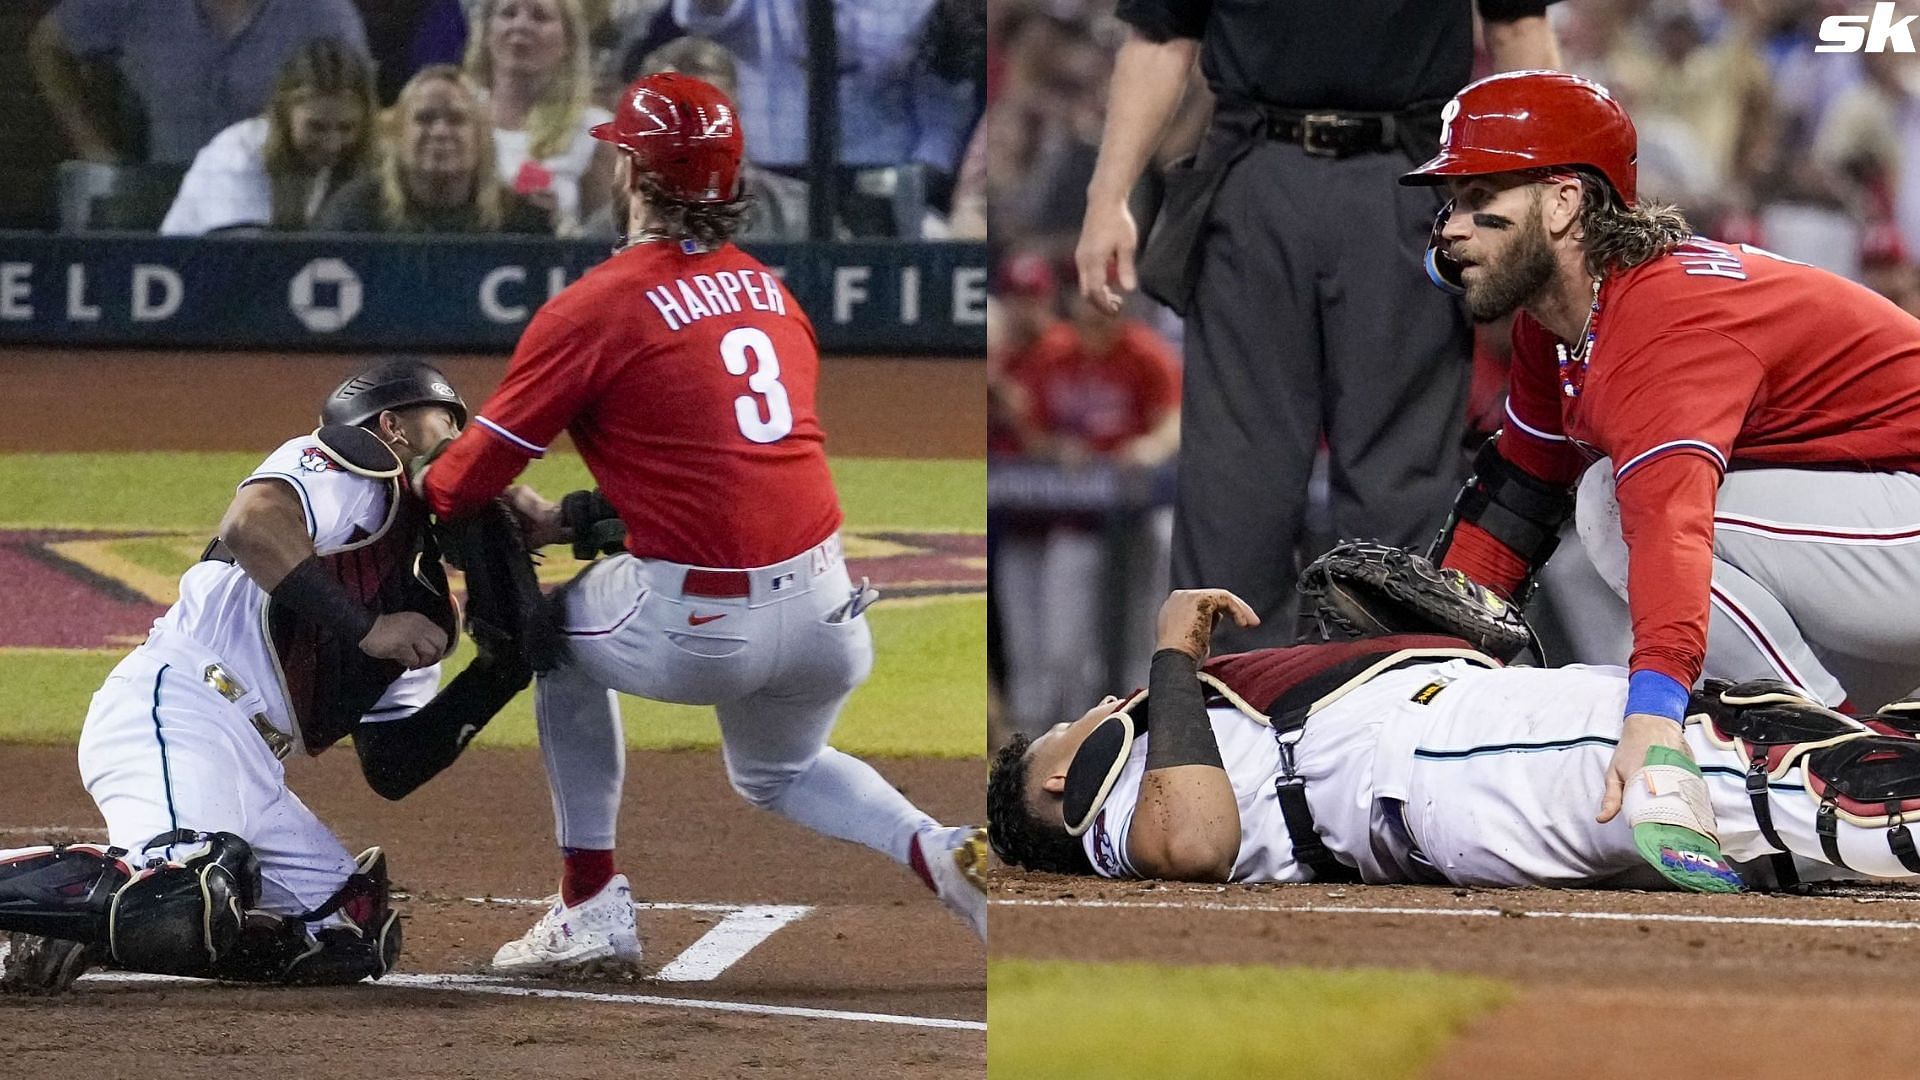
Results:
x,y
1758,138
203,116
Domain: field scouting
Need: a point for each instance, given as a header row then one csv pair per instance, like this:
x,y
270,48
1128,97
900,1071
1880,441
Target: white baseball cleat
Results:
x,y
956,862
598,934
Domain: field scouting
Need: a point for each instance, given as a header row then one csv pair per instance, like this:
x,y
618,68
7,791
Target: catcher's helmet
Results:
x,y
1529,120
681,131
391,384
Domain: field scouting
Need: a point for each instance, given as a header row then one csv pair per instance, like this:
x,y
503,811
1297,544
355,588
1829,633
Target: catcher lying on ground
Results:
x,y
1416,758
321,611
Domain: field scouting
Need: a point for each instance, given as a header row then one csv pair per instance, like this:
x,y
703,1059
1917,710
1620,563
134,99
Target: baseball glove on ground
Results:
x,y
1367,589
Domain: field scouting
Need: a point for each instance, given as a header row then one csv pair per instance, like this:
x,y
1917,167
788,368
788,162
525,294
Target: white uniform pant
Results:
x,y
1510,766
775,664
1816,577
162,750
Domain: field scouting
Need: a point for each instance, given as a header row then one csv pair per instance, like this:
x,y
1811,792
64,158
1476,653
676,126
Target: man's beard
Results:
x,y
1523,274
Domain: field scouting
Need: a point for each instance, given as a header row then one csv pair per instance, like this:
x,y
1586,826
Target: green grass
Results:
x,y
190,490
926,697
1059,1021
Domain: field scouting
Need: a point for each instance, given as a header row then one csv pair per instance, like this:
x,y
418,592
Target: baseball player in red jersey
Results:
x,y
1759,419
685,373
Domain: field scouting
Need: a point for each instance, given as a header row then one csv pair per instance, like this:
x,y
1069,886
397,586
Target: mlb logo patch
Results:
x,y
313,459
784,581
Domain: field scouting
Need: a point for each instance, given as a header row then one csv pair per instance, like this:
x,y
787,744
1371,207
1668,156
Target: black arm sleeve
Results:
x,y
397,756
1163,20
1181,733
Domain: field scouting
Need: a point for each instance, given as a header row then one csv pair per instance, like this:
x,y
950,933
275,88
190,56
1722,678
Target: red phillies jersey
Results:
x,y
1105,400
1710,357
686,379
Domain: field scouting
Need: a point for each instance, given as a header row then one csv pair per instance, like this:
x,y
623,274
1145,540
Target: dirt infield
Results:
x,y
1611,984
771,951
137,399
874,941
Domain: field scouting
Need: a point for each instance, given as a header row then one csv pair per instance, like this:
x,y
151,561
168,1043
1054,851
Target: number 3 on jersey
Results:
x,y
765,381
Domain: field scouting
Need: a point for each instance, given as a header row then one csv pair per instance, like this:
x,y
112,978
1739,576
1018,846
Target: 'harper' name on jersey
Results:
x,y
723,292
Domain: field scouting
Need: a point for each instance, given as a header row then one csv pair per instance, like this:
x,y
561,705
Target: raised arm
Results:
x,y
1186,824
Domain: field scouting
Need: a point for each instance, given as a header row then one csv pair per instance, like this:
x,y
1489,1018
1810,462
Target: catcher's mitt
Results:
x,y
1366,589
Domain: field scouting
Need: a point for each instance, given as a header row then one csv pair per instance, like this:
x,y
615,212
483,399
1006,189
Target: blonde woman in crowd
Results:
x,y
274,170
531,57
437,174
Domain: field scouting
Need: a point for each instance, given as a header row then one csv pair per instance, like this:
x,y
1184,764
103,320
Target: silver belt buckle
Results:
x,y
1315,123
224,684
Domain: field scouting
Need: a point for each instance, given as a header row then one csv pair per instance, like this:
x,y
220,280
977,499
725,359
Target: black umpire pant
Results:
x,y
1312,314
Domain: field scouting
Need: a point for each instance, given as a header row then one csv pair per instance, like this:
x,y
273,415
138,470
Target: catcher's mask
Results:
x,y
1097,764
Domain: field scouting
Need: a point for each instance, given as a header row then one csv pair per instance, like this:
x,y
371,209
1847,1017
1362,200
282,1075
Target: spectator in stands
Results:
x,y
531,58
779,202
273,171
407,35
194,66
1097,391
895,111
437,174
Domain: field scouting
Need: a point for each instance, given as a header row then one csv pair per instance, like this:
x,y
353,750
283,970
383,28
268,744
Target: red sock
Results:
x,y
1847,707
917,860
587,871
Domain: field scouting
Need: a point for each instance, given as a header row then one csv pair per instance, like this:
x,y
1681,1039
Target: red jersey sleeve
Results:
x,y
548,383
1667,415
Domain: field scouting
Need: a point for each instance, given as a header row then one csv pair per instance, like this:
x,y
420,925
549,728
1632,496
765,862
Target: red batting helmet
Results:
x,y
1529,120
681,131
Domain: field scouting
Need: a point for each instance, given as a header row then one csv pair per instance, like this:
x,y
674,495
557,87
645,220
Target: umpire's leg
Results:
x,y
1250,414
1398,353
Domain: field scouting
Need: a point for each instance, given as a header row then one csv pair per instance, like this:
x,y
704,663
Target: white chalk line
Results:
x,y
741,929
1475,913
494,985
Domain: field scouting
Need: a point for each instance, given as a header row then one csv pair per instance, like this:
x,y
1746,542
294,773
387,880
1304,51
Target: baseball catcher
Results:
x,y
1417,759
320,611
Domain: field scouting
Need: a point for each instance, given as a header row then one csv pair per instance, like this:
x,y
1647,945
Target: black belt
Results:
x,y
1334,134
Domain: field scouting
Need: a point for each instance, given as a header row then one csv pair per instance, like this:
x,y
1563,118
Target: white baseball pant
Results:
x,y
775,655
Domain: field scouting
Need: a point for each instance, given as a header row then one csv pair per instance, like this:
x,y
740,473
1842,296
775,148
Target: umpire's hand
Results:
x,y
1108,240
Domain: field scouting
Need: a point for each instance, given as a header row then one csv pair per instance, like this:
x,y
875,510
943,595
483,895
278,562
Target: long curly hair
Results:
x,y
1018,835
708,224
323,67
555,120
1621,237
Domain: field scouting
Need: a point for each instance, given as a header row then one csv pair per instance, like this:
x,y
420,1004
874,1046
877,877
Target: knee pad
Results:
x,y
62,891
180,917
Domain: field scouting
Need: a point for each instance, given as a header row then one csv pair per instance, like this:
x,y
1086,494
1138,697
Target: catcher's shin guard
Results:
x,y
179,917
362,944
62,891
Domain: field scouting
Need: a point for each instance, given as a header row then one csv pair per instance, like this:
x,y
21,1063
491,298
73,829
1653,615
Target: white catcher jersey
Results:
x,y
221,608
